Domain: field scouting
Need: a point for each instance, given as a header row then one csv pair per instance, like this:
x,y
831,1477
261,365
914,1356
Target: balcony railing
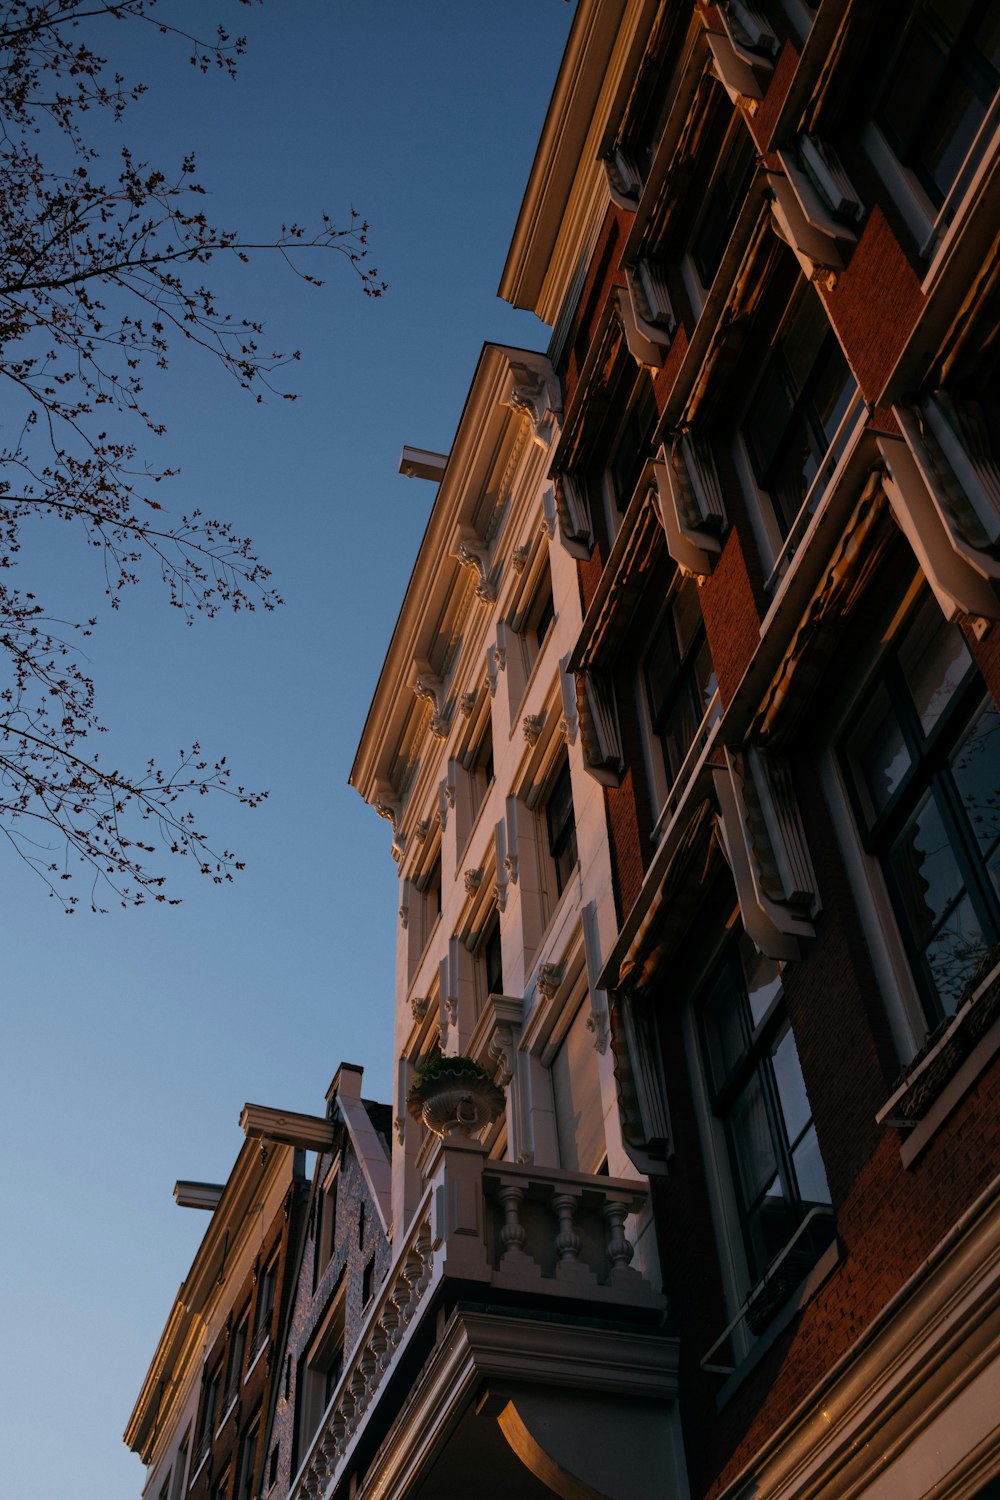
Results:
x,y
510,1227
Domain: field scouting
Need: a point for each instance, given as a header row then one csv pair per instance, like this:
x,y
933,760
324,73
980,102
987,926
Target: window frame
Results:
x,y
562,839
663,777
928,777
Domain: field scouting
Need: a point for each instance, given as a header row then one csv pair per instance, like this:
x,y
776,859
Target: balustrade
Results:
x,y
506,1225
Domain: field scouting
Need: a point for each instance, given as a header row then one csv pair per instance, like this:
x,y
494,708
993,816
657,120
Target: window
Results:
x,y
732,149
561,826
803,394
245,1466
491,958
757,1094
272,1468
180,1467
430,891
210,1409
941,82
234,1359
481,768
220,1487
576,1092
326,1226
361,1225
165,1489
319,1370
266,1287
679,677
923,765
368,1282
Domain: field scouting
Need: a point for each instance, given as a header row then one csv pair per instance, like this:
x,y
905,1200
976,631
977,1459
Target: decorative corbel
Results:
x,y
536,394
512,815
446,801
467,704
812,235
419,1005
492,670
689,503
519,557
599,732
404,917
474,554
573,512
649,298
597,1024
548,980
387,807
624,178
549,511
429,687
737,71
501,876
422,829
472,879
532,726
569,724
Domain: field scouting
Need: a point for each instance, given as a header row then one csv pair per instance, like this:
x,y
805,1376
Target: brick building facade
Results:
x,y
687,738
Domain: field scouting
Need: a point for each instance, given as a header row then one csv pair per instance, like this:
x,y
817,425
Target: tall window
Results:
x,y
757,1093
941,83
680,680
491,958
923,761
734,154
245,1467
237,1350
319,1371
561,826
210,1407
266,1289
801,397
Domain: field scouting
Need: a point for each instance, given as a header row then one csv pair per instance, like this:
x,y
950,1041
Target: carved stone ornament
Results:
x,y
472,879
510,865
549,979
597,1025
532,725
467,704
537,396
519,557
419,1006
388,809
404,917
431,689
449,793
400,1125
472,554
422,829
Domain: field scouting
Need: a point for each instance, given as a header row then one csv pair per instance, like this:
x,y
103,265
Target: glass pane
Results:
x,y
955,953
753,1147
833,388
791,1087
769,1227
763,980
976,768
725,1026
878,755
810,1175
948,134
661,666
767,419
678,732
687,614
935,661
705,681
926,871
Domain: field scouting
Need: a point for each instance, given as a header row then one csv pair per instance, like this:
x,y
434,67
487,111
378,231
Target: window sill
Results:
x,y
942,1074
804,1294
228,1408
255,1354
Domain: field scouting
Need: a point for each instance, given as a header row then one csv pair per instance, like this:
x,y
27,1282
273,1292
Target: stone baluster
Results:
x,y
512,1234
358,1388
338,1430
410,1272
423,1248
391,1326
369,1360
567,1240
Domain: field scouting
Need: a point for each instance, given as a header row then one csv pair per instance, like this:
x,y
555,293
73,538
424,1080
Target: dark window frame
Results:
x,y
928,780
560,825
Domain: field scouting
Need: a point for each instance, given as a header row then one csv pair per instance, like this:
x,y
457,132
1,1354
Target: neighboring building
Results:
x,y
341,1260
199,1419
689,742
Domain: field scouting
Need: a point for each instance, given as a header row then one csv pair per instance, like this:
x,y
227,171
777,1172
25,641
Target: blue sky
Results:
x,y
132,1040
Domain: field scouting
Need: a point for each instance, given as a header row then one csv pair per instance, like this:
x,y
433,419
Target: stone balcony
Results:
x,y
512,1286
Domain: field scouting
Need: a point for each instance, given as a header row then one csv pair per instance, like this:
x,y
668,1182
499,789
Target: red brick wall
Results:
x,y
731,618
874,304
